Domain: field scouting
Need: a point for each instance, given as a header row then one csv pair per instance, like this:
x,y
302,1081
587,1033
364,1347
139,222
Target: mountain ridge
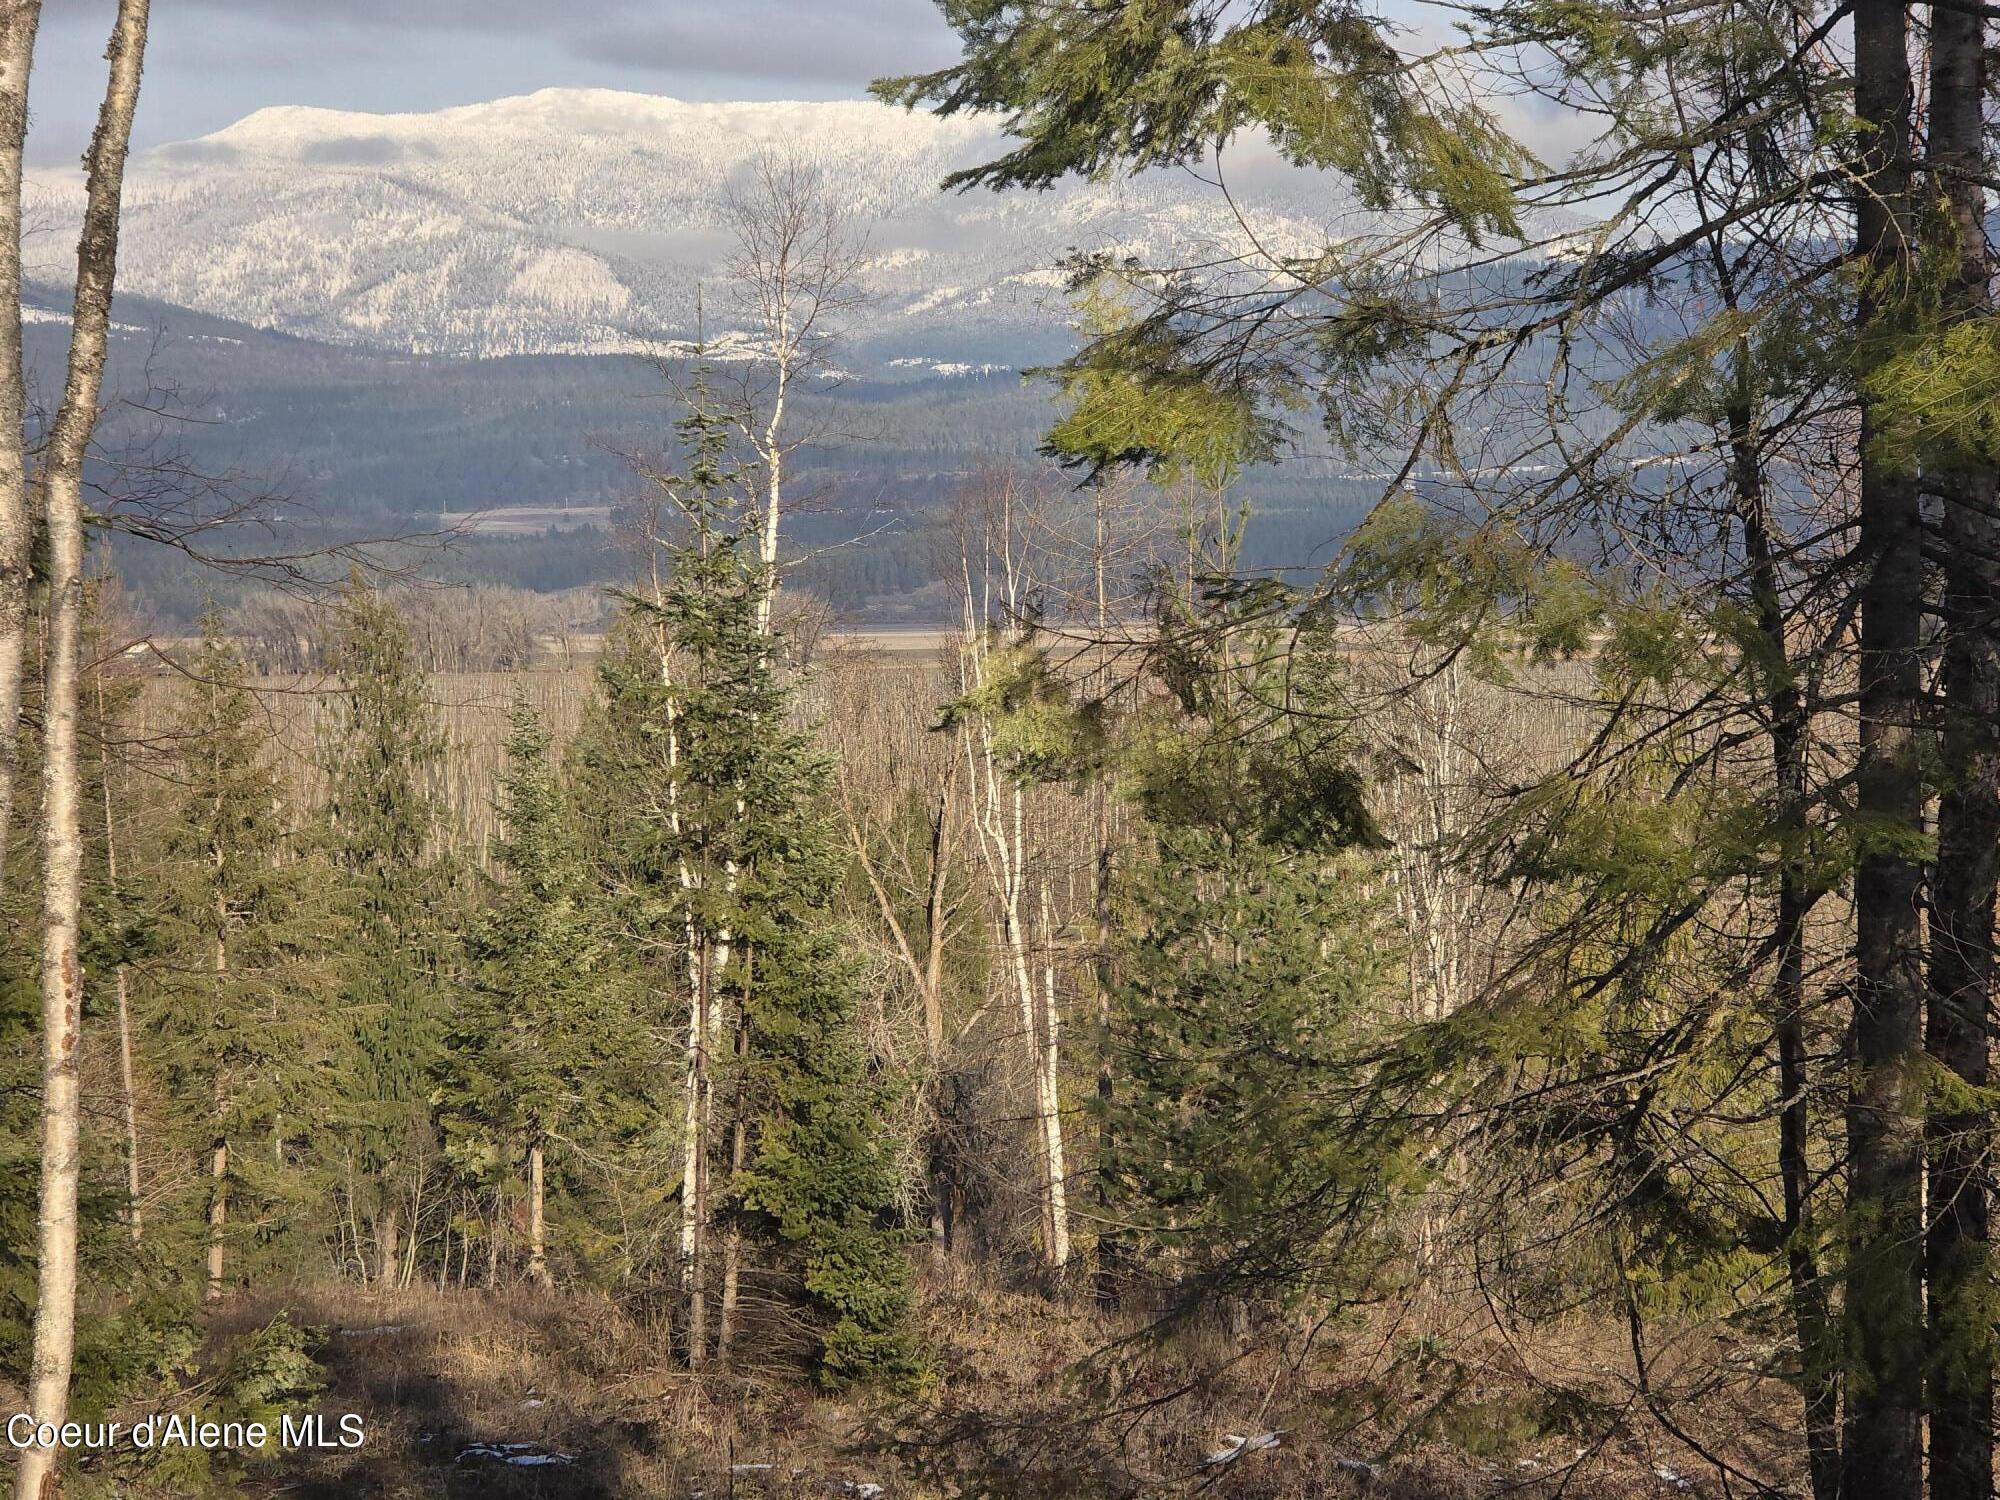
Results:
x,y
583,220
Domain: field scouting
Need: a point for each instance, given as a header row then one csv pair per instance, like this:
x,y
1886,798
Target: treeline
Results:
x,y
763,976
1718,1054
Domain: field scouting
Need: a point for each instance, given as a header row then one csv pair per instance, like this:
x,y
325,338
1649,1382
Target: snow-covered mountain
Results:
x,y
573,221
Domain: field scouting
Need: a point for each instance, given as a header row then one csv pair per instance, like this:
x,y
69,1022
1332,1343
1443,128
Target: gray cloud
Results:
x,y
355,151
210,62
501,17
852,41
673,34
195,153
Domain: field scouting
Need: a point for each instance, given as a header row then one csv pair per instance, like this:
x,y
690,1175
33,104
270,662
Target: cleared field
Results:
x,y
525,520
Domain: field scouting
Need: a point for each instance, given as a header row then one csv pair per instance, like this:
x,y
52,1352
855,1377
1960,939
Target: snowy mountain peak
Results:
x,y
581,220
289,129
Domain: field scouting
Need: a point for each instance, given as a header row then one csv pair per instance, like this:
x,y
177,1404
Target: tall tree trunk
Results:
x,y
1960,1130
62,844
1884,1297
1110,1257
493,1244
694,1080
218,1215
772,451
930,980
739,1155
538,1252
1819,1381
999,816
218,1175
388,1239
1048,1126
19,20
134,1218
694,1162
1048,1097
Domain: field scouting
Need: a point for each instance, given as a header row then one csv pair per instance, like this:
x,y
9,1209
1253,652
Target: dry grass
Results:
x,y
1029,1400
440,1376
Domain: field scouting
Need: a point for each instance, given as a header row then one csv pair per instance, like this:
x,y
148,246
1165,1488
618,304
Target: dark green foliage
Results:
x,y
715,823
381,747
234,989
819,1182
1253,970
547,1045
1248,976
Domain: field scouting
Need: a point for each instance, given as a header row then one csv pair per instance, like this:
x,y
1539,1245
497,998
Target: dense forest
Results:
x,y
1501,1006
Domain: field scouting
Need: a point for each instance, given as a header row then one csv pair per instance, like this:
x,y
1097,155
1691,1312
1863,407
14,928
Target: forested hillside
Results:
x,y
216,421
1411,914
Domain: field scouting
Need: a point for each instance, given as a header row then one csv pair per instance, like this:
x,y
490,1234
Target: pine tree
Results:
x,y
238,980
1252,966
546,1047
717,824
380,748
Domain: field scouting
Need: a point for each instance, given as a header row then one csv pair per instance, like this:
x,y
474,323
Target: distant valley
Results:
x,y
376,325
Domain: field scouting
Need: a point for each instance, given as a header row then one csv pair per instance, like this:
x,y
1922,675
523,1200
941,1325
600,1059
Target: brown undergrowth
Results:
x,y
573,1397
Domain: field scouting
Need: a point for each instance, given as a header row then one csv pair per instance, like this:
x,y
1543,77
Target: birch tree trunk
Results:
x,y
1110,1250
492,1281
19,20
62,843
538,1256
134,1218
739,1154
999,816
793,264
388,1238
1048,1096
694,1080
218,1174
772,452
218,1215
1005,844
694,1169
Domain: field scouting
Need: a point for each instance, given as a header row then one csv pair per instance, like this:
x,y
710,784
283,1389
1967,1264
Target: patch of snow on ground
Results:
x,y
1237,1445
517,1455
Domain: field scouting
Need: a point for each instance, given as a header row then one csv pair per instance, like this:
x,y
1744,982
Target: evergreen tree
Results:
x,y
546,1046
717,820
238,976
380,747
1252,969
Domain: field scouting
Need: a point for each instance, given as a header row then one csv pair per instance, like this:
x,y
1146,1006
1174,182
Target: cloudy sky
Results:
x,y
213,61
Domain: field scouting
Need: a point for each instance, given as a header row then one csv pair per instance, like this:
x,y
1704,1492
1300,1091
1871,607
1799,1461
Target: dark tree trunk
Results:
x,y
1883,1457
1961,952
1818,1377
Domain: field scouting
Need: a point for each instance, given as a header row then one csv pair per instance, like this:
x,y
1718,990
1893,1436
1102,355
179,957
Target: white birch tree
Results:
x,y
794,261
19,20
993,632
61,485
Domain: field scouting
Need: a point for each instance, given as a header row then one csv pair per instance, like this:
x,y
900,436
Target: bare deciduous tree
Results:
x,y
993,557
62,842
794,263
